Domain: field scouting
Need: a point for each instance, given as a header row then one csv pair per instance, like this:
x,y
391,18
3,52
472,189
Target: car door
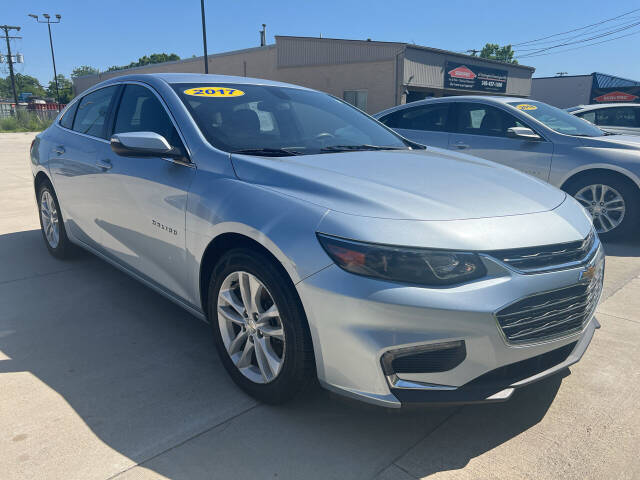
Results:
x,y
426,124
146,197
481,130
72,162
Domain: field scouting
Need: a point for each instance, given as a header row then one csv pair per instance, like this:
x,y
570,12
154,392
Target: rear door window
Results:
x,y
431,118
617,117
93,109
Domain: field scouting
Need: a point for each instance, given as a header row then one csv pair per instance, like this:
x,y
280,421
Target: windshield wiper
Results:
x,y
268,152
355,148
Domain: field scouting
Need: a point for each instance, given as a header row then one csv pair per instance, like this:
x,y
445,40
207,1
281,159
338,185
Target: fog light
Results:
x,y
438,357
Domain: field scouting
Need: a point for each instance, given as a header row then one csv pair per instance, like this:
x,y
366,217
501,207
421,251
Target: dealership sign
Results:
x,y
460,76
615,97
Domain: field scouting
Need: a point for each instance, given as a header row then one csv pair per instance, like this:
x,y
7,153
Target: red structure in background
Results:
x,y
40,107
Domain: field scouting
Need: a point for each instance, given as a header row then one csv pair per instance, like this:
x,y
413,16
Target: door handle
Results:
x,y
104,164
461,145
59,149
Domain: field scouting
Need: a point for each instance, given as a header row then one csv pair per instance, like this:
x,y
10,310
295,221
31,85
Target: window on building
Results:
x,y
92,112
425,117
480,119
357,98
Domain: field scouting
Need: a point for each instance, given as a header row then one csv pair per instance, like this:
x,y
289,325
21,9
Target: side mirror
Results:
x,y
143,144
523,133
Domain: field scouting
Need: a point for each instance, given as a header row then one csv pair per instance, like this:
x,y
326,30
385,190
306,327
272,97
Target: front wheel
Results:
x,y
259,326
612,203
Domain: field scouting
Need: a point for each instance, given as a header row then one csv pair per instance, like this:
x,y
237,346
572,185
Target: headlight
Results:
x,y
402,264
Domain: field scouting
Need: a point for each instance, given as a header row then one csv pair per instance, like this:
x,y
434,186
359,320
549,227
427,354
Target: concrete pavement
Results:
x,y
102,378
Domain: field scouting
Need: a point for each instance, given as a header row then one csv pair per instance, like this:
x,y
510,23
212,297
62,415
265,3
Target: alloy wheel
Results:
x,y
605,205
251,327
49,215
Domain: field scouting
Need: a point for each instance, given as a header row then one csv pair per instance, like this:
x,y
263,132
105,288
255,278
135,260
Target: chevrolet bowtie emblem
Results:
x,y
588,273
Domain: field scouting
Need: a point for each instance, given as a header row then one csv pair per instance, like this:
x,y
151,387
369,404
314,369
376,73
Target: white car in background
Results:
x,y
622,118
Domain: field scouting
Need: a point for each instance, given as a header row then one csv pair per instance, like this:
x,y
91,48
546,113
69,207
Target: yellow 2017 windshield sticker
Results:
x,y
219,92
526,106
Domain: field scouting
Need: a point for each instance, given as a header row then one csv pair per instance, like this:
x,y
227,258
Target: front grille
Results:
x,y
551,314
547,257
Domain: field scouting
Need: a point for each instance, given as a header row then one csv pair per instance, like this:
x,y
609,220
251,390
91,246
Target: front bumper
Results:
x,y
354,321
496,386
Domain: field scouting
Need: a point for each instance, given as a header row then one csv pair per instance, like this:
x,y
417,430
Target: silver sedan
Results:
x,y
320,244
601,170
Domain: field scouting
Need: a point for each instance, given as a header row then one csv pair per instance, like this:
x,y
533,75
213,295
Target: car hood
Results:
x,y
430,184
627,142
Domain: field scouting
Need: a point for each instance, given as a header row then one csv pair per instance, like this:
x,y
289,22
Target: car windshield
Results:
x,y
558,120
279,121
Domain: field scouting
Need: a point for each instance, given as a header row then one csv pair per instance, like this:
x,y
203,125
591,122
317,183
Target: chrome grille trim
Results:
x,y
551,314
548,258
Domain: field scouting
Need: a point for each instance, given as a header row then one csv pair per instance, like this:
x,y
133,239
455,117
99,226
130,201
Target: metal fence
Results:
x,y
24,119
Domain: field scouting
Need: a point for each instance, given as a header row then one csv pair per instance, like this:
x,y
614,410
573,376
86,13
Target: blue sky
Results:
x,y
116,32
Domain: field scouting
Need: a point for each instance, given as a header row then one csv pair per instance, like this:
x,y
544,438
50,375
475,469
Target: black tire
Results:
x,y
64,248
629,193
298,367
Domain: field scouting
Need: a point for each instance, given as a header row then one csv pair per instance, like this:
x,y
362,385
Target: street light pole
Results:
x,y
53,57
204,38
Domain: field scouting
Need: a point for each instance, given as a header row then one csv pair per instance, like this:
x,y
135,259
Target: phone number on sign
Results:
x,y
489,83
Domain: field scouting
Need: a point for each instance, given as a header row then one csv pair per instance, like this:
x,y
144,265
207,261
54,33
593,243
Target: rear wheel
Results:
x,y
259,326
612,202
51,224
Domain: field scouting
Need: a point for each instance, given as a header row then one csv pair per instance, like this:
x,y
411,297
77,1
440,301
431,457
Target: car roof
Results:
x,y
584,108
456,98
202,78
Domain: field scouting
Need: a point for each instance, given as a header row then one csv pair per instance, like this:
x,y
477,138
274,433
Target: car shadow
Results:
x,y
626,248
143,375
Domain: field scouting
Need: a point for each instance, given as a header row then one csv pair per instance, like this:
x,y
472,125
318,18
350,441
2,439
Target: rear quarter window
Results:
x,y
67,119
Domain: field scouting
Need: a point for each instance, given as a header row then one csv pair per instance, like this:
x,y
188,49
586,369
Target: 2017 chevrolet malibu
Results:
x,y
319,243
601,170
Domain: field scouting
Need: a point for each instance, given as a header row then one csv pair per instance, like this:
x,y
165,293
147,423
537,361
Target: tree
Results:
x,y
24,83
147,60
84,70
493,51
65,87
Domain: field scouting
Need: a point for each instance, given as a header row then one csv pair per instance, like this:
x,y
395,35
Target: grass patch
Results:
x,y
26,121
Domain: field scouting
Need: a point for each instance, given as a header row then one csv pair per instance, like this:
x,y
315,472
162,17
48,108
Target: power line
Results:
x,y
583,40
581,46
575,29
626,22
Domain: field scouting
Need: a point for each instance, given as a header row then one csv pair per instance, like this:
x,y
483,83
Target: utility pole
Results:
x,y
7,29
473,52
204,38
53,57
